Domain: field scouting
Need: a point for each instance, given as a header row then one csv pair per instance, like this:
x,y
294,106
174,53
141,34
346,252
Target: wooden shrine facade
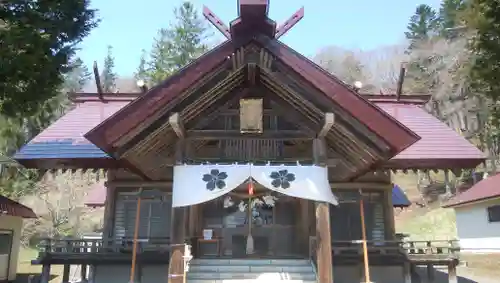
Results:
x,y
254,100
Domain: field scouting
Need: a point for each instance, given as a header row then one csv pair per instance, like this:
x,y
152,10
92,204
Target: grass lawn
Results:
x,y
25,269
433,224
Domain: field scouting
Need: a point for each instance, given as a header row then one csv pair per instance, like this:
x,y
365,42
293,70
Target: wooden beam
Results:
x,y
235,134
176,271
327,124
166,184
323,232
176,123
136,184
217,22
253,8
252,74
98,81
319,152
215,111
401,80
290,23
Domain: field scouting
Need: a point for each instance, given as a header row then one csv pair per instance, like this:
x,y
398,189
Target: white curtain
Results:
x,y
194,184
307,182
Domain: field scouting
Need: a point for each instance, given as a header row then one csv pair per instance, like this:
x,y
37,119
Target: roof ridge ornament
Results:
x,y
253,18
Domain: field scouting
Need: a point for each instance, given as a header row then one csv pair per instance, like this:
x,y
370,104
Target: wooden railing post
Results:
x,y
452,273
45,277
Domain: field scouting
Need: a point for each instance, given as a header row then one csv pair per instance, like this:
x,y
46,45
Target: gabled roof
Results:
x,y
486,189
97,195
64,141
439,146
13,208
146,107
157,100
399,198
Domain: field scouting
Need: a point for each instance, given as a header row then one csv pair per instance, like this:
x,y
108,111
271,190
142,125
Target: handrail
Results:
x,y
90,246
412,248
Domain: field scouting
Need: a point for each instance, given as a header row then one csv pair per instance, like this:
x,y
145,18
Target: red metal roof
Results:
x,y
439,147
64,140
13,208
97,195
488,188
439,144
79,121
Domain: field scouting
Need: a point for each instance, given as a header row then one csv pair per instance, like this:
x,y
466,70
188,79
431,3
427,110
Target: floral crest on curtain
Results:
x,y
282,179
215,179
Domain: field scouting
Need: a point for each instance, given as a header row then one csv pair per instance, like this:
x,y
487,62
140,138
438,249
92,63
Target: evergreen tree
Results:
x,y
179,44
108,76
422,26
38,40
141,72
449,14
484,18
75,80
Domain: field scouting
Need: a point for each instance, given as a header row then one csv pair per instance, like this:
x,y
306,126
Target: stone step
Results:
x,y
251,268
276,276
251,262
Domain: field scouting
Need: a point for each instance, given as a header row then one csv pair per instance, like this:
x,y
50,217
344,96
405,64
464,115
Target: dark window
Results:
x,y
345,219
154,217
5,242
494,213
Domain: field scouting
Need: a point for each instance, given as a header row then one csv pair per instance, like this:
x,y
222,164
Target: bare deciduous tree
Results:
x,y
59,203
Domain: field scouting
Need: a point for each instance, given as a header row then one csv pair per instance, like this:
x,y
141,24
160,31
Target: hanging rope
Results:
x,y
363,232
136,235
250,244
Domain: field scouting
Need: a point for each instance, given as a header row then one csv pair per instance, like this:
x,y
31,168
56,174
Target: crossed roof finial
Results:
x,y
253,18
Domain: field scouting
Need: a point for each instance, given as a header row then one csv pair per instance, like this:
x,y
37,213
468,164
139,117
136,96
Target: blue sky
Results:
x,y
130,26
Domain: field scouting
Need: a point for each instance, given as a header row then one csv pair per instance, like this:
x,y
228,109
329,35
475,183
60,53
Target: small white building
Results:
x,y
11,224
477,212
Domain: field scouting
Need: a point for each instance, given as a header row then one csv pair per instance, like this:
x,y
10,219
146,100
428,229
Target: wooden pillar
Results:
x,y
92,272
109,209
83,272
390,229
303,228
447,181
133,268
45,276
177,230
452,273
138,273
65,277
323,235
407,272
430,273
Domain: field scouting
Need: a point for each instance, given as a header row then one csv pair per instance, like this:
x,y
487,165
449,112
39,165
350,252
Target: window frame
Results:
x,y
10,235
493,213
130,198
